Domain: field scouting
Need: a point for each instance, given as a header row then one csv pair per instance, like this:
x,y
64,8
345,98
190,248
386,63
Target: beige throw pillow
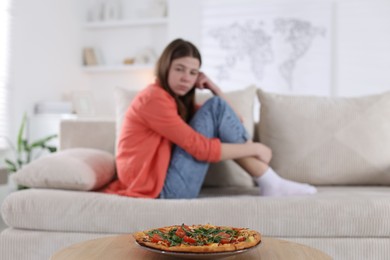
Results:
x,y
328,141
73,169
221,174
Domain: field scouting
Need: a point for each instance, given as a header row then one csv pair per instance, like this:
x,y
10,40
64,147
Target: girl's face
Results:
x,y
183,74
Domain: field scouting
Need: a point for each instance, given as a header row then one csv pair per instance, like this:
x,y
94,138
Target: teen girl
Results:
x,y
167,142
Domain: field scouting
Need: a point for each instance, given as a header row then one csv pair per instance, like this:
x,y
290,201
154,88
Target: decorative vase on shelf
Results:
x,y
155,9
104,10
145,56
94,13
112,10
161,7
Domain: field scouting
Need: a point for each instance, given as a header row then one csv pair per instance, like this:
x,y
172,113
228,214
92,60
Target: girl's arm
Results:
x,y
158,112
203,82
236,151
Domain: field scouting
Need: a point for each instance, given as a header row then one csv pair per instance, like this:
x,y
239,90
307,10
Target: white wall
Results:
x,y
185,20
48,36
45,53
362,47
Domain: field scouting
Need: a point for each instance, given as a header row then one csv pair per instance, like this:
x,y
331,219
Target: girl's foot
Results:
x,y
271,184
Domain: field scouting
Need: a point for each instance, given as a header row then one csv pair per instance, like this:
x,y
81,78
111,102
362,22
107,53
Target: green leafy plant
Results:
x,y
24,150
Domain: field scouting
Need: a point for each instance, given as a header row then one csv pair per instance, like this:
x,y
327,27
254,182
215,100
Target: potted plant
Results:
x,y
23,153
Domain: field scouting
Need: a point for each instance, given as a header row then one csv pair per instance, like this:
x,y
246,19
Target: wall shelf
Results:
x,y
126,23
117,68
138,36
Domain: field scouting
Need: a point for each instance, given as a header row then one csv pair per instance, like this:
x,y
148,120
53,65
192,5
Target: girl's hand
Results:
x,y
263,153
203,82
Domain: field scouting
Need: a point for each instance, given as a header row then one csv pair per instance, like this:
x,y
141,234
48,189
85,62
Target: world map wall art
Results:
x,y
281,47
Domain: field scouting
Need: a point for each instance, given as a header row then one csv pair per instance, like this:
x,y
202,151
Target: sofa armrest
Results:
x,y
88,133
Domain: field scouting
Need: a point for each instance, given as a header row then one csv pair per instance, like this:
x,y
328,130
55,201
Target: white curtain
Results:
x,y
4,69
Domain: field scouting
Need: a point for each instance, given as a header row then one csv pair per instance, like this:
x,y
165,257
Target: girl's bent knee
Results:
x,y
215,100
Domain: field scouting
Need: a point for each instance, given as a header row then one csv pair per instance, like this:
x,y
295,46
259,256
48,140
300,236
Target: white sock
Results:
x,y
271,184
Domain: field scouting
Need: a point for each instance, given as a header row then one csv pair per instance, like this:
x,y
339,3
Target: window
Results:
x,y
4,69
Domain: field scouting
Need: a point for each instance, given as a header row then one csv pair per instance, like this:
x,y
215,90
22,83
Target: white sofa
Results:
x,y
312,140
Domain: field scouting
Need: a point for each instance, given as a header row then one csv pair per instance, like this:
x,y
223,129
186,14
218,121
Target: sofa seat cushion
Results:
x,y
333,212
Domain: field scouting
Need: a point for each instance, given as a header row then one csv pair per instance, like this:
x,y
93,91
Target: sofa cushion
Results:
x,y
332,212
225,173
95,133
73,169
328,141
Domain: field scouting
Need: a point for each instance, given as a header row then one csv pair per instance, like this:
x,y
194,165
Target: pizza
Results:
x,y
198,238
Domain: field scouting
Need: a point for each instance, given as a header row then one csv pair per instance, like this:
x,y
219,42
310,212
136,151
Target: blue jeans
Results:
x,y
185,174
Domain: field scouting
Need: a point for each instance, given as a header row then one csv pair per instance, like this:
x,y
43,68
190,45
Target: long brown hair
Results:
x,y
178,49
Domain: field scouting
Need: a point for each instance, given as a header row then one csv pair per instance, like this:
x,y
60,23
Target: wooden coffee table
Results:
x,y
123,247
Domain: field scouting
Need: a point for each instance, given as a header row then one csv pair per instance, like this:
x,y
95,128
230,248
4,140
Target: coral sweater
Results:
x,y
150,127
